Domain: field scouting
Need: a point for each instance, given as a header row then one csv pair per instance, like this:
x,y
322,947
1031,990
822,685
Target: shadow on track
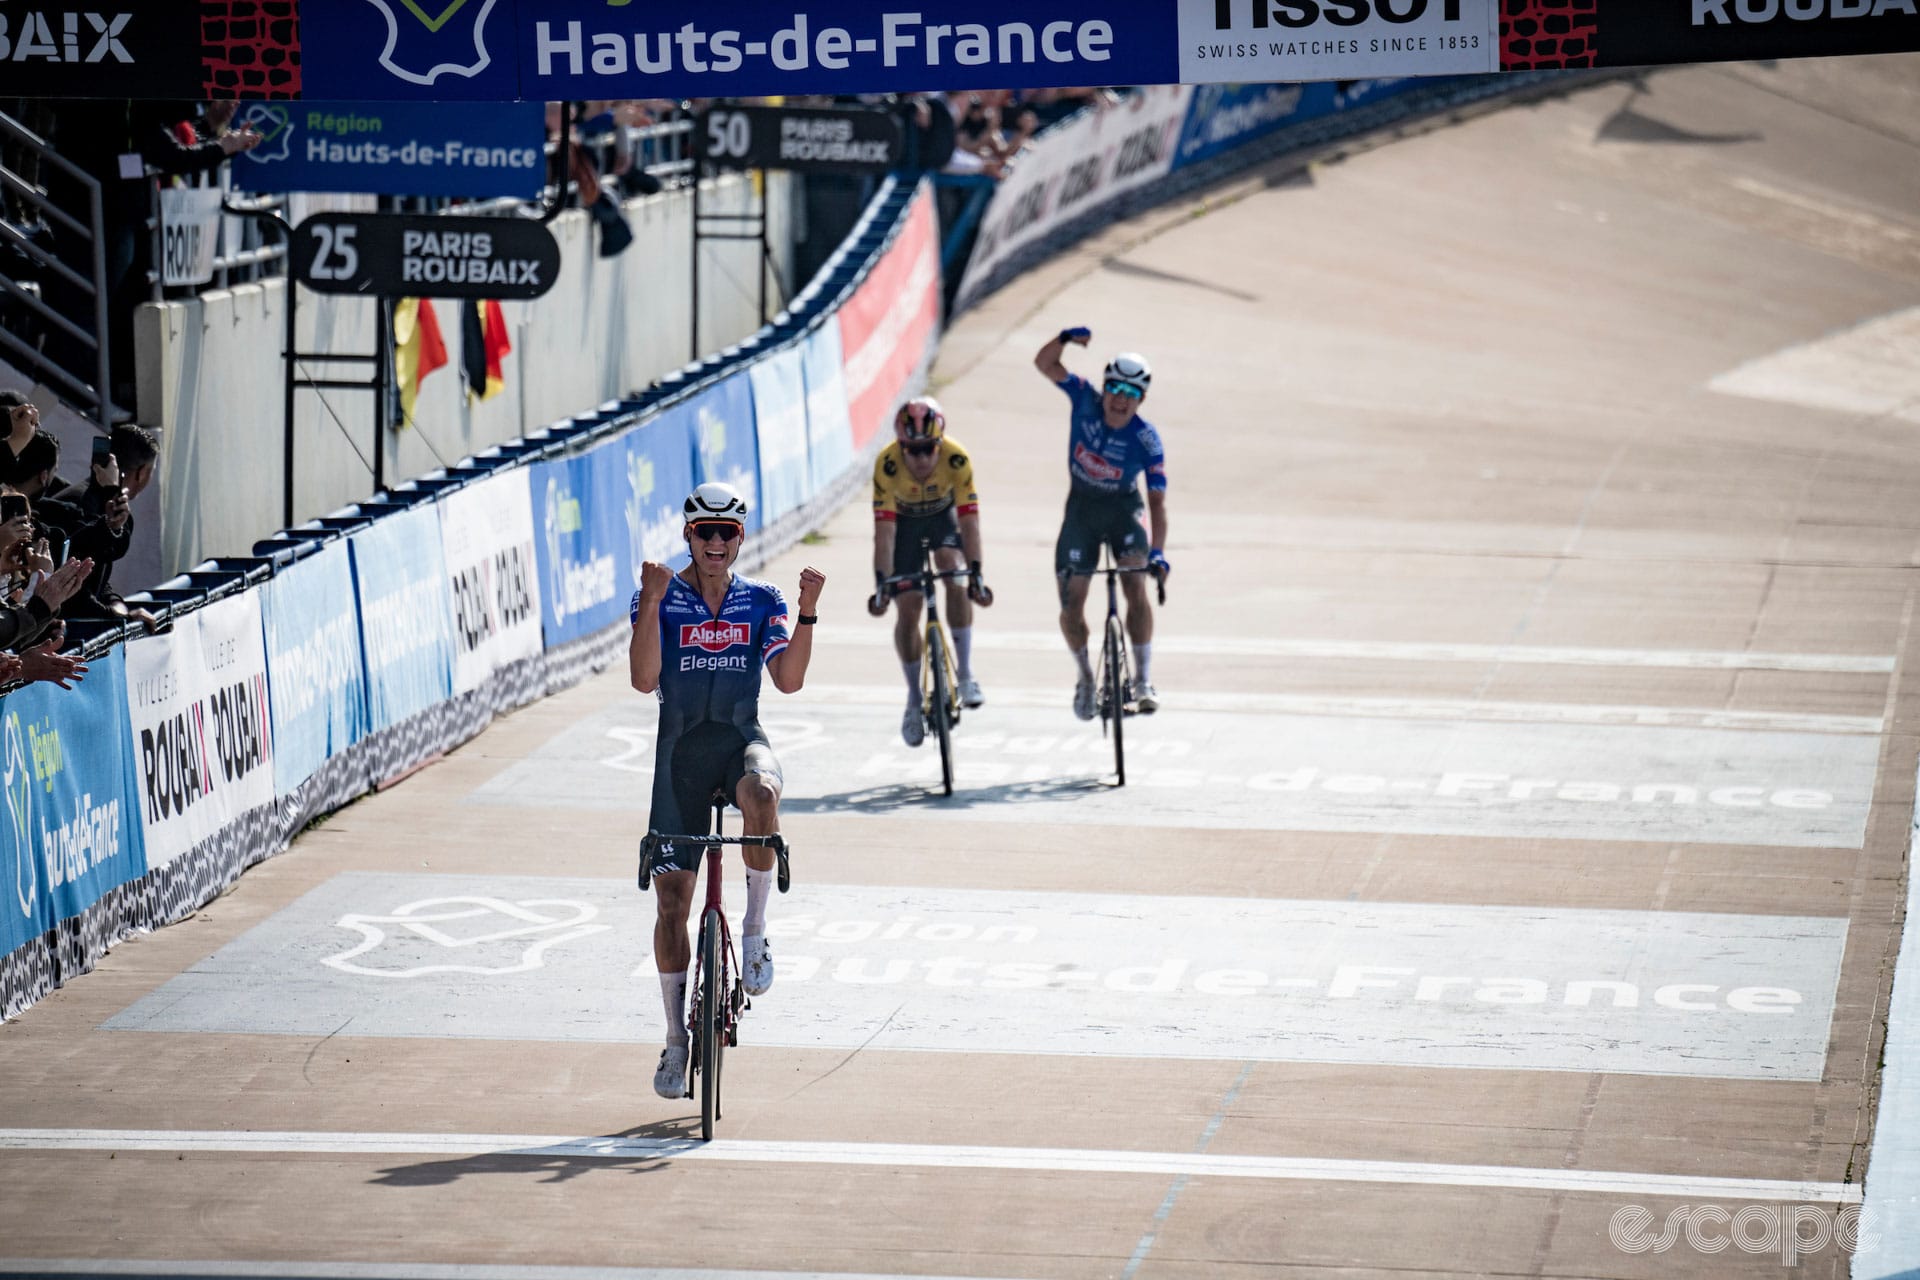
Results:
x,y
644,1149
895,796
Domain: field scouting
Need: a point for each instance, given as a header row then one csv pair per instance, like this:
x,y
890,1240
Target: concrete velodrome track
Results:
x,y
1521,844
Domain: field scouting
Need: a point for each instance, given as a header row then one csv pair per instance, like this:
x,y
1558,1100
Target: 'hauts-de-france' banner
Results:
x,y
889,325
1089,160
315,674
550,50
395,148
493,576
70,832
197,701
406,629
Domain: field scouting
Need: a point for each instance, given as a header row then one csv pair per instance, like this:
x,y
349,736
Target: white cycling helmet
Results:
x,y
716,501
1130,368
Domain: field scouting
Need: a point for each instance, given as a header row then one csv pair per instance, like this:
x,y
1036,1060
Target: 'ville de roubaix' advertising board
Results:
x,y
554,50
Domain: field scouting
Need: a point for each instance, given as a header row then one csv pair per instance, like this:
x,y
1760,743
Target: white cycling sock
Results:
x,y
1143,663
963,651
912,672
758,882
673,994
1086,663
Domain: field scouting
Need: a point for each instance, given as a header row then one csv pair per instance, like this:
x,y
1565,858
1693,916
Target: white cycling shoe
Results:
x,y
756,964
670,1077
1145,698
970,695
913,727
1083,699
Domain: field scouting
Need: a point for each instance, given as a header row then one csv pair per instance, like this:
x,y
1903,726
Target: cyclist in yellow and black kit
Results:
x,y
923,494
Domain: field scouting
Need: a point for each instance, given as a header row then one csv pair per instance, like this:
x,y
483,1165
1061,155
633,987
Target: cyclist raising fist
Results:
x,y
1109,447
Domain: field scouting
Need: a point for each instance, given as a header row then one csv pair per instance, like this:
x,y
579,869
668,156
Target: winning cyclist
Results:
x,y
923,492
700,637
1110,445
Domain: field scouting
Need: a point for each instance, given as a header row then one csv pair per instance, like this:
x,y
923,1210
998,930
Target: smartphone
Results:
x,y
102,450
13,506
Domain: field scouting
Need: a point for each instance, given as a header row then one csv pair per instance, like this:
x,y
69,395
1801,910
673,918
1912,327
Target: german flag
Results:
x,y
418,350
483,346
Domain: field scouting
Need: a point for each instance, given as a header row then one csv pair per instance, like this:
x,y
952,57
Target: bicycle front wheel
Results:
x,y
1115,651
712,1023
941,712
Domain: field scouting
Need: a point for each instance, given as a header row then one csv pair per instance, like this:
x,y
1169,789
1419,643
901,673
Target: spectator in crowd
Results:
x,y
577,164
22,421
89,522
107,501
33,590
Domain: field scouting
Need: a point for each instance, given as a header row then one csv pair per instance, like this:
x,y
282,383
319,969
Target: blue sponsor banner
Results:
x,y
72,828
1221,117
658,475
829,426
581,541
780,426
725,445
552,50
395,148
406,629
314,665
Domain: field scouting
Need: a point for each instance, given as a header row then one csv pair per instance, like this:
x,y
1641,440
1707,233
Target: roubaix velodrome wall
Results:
x,y
352,647
556,50
607,326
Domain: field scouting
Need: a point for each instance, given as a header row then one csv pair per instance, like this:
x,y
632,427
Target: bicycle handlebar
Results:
x,y
905,581
651,842
1159,575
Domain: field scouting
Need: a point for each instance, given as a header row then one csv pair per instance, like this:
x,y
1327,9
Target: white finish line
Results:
x,y
986,637
914,1155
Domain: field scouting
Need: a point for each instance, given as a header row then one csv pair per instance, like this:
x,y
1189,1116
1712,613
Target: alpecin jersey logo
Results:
x,y
1096,466
714,635
430,38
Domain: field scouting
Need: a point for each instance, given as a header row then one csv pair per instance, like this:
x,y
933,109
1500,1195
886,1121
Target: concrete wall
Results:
x,y
211,369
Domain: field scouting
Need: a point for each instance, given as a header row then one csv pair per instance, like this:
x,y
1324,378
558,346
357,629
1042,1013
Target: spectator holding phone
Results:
x,y
36,588
120,472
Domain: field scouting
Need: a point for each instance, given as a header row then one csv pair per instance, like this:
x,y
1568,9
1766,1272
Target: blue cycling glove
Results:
x,y
1157,559
1080,333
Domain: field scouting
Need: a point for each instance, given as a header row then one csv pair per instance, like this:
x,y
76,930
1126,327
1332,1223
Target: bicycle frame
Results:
x,y
1115,671
939,679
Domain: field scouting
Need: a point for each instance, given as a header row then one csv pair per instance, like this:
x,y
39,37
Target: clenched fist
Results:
x,y
811,583
654,580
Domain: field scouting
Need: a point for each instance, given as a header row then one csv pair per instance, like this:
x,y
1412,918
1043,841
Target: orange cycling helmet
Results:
x,y
919,419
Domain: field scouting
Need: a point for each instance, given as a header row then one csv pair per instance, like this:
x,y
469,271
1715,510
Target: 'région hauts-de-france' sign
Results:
x,y
408,256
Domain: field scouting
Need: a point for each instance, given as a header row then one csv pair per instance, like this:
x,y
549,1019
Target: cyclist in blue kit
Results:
x,y
700,639
1109,447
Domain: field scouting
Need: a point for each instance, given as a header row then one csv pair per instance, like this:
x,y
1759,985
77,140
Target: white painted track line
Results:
x,y
1026,1159
986,637
1407,709
406,1271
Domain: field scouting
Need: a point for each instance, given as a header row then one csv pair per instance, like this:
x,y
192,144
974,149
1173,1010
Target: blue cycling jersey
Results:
x,y
1104,460
710,663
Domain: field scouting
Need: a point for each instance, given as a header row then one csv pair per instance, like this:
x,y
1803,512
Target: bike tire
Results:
x,y
942,705
1116,677
712,1024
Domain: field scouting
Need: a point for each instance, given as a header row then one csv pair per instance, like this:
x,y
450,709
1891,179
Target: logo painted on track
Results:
x,y
463,923
422,46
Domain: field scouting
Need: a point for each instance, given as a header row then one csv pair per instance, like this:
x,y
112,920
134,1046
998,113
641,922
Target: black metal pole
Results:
x,y
286,409
693,264
766,253
382,387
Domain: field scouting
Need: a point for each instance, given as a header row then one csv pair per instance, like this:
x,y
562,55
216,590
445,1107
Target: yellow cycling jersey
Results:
x,y
897,493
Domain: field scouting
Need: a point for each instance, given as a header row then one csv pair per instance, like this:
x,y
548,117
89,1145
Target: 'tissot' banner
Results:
x,y
486,534
316,677
70,833
202,731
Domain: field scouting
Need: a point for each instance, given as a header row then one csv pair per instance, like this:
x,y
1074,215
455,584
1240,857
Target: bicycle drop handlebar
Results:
x,y
1159,575
651,842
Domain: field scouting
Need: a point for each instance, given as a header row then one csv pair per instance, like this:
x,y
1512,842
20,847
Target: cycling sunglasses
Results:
x,y
921,449
1124,389
725,530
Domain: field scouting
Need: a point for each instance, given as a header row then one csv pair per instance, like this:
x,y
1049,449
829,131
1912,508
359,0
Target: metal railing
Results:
x,y
86,328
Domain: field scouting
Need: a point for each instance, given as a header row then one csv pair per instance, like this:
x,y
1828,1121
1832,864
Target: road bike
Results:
x,y
939,678
719,999
1115,672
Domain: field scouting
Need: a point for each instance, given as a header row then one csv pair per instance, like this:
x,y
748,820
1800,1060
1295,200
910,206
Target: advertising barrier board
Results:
x,y
1223,117
493,579
780,429
70,832
892,320
1089,160
829,428
406,630
725,447
655,474
583,545
189,234
202,735
316,674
